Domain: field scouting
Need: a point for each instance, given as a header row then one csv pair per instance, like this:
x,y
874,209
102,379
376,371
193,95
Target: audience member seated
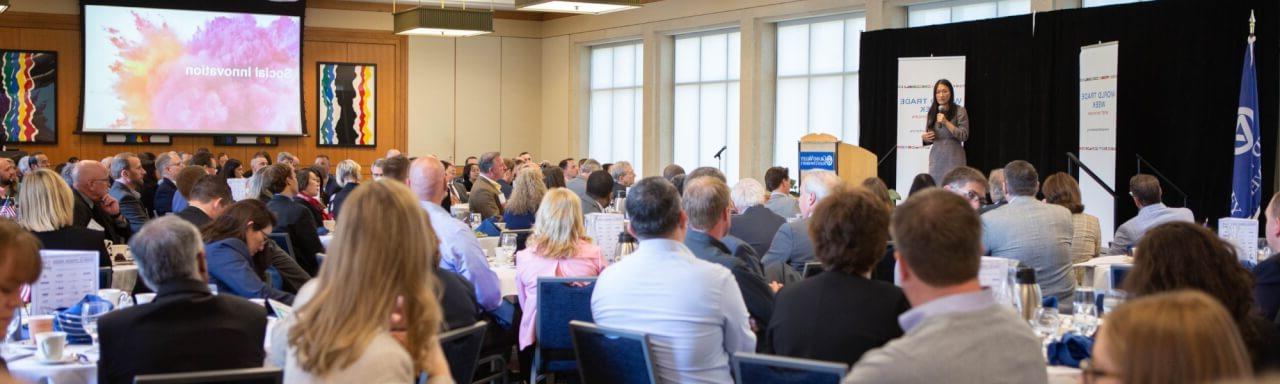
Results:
x,y
185,328
706,204
47,211
147,190
19,265
841,313
968,183
558,247
287,158
1182,255
791,245
457,189
329,183
205,161
167,164
1177,337
348,180
357,322
754,223
624,175
375,169
1147,195
955,332
570,168
8,178
470,172
1036,234
599,187
209,198
396,168
880,190
128,173
309,196
508,175
691,309
232,169
292,218
260,160
995,188
1266,275
94,207
921,182
553,177
778,181
526,195
231,241
1086,235
671,171
486,195
460,252
579,185
187,178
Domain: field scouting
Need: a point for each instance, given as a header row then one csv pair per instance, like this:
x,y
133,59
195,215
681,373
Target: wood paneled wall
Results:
x,y
61,33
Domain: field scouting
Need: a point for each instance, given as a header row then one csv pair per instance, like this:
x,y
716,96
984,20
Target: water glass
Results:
x,y
89,314
1112,299
1046,324
1085,319
506,249
11,333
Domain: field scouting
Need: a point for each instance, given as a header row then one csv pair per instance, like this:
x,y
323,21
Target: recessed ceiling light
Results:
x,y
594,7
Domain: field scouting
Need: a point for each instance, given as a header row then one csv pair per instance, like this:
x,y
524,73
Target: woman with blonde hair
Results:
x,y
348,180
1086,238
47,210
371,316
526,194
1175,337
558,247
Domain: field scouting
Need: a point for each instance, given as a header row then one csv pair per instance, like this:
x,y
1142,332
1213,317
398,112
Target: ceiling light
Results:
x,y
594,7
443,22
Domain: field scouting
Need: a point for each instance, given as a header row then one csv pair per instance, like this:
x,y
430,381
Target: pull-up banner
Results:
x,y
916,76
1098,70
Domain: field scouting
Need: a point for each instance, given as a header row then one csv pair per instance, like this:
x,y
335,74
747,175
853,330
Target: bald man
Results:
x,y
460,252
94,207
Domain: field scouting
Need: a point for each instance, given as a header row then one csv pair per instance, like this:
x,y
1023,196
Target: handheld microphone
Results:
x,y
717,155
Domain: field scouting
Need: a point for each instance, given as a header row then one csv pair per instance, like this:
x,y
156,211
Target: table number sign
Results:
x,y
1243,233
66,278
604,229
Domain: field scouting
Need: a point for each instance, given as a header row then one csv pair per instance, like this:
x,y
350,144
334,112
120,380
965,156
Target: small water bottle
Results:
x,y
626,245
1028,293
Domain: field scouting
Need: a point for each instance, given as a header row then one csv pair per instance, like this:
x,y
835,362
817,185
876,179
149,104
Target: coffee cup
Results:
x,y
50,346
144,298
40,324
111,295
119,253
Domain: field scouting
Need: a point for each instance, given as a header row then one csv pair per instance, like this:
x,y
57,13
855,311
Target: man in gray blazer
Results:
x,y
792,246
1036,234
579,184
778,182
1147,195
754,223
127,171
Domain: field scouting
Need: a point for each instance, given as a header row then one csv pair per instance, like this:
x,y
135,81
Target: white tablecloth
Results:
x,y
124,277
1102,269
28,370
1064,375
506,279
488,244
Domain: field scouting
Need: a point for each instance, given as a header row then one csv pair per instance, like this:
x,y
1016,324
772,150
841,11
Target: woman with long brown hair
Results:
x,y
1175,337
371,316
1180,255
946,128
233,249
1086,239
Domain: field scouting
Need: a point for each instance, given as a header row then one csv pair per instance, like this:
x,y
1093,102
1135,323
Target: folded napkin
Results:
x,y
1070,350
1049,302
68,320
489,227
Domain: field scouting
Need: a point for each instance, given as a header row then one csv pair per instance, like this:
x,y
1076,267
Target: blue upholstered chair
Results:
x,y
609,355
751,368
560,300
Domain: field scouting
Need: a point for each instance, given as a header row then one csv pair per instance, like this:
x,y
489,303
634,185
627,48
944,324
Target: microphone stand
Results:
x,y
719,159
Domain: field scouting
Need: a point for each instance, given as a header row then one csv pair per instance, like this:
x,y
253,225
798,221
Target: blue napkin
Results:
x,y
1070,350
1049,302
68,320
489,228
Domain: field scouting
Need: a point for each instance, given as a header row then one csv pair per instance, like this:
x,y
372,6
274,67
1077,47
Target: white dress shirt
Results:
x,y
691,309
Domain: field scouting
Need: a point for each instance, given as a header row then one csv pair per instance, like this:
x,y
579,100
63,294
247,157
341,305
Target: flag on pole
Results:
x,y
1246,179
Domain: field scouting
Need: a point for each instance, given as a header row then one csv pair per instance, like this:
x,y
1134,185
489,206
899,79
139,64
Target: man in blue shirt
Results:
x,y
460,252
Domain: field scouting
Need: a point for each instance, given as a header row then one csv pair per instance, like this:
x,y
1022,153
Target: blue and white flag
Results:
x,y
1246,179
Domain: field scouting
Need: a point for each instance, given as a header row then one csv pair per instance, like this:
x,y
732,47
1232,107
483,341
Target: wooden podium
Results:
x,y
821,151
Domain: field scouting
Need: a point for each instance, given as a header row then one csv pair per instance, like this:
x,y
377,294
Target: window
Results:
x,y
964,10
1103,3
617,89
707,73
817,88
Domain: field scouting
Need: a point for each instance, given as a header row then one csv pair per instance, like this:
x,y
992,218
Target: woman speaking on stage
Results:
x,y
947,129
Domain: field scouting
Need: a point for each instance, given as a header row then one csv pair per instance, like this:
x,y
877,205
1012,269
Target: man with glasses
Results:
x,y
968,183
168,165
94,207
1035,233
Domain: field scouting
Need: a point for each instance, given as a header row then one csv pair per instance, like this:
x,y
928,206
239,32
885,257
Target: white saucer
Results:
x,y
65,360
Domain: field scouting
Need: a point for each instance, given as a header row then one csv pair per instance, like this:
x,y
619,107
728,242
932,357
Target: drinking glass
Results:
x,y
506,249
89,314
1046,324
1086,318
1113,299
11,333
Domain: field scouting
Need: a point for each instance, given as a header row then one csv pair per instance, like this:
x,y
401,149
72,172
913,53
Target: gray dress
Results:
x,y
948,152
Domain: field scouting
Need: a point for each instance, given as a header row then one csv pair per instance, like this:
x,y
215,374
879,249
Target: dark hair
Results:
x,y
678,181
605,167
671,171
396,168
187,178
275,177
1181,255
774,176
964,175
1022,179
1145,188
654,207
705,171
850,232
880,190
202,159
208,188
921,182
231,224
1062,189
262,154
564,164
304,177
939,236
553,177
933,109
599,185
228,170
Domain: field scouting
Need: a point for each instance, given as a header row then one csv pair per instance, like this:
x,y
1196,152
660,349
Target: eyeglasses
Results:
x,y
1090,373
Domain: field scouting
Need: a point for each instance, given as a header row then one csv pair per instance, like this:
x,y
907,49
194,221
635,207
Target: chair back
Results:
x,y
751,368
884,270
811,269
462,349
241,376
286,244
1118,272
561,300
104,277
610,355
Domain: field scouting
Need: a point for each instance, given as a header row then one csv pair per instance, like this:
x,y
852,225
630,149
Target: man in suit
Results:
x,y
623,176
791,245
128,172
486,196
1035,233
579,184
599,187
168,164
1266,276
570,168
995,187
186,328
778,182
968,183
292,218
209,197
94,207
1148,196
754,223
706,202
328,183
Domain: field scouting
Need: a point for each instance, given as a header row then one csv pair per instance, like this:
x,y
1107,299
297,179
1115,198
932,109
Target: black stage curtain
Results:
x,y
1179,80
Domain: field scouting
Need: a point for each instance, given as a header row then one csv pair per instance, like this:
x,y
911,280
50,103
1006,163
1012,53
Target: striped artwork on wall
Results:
x,y
347,105
28,96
